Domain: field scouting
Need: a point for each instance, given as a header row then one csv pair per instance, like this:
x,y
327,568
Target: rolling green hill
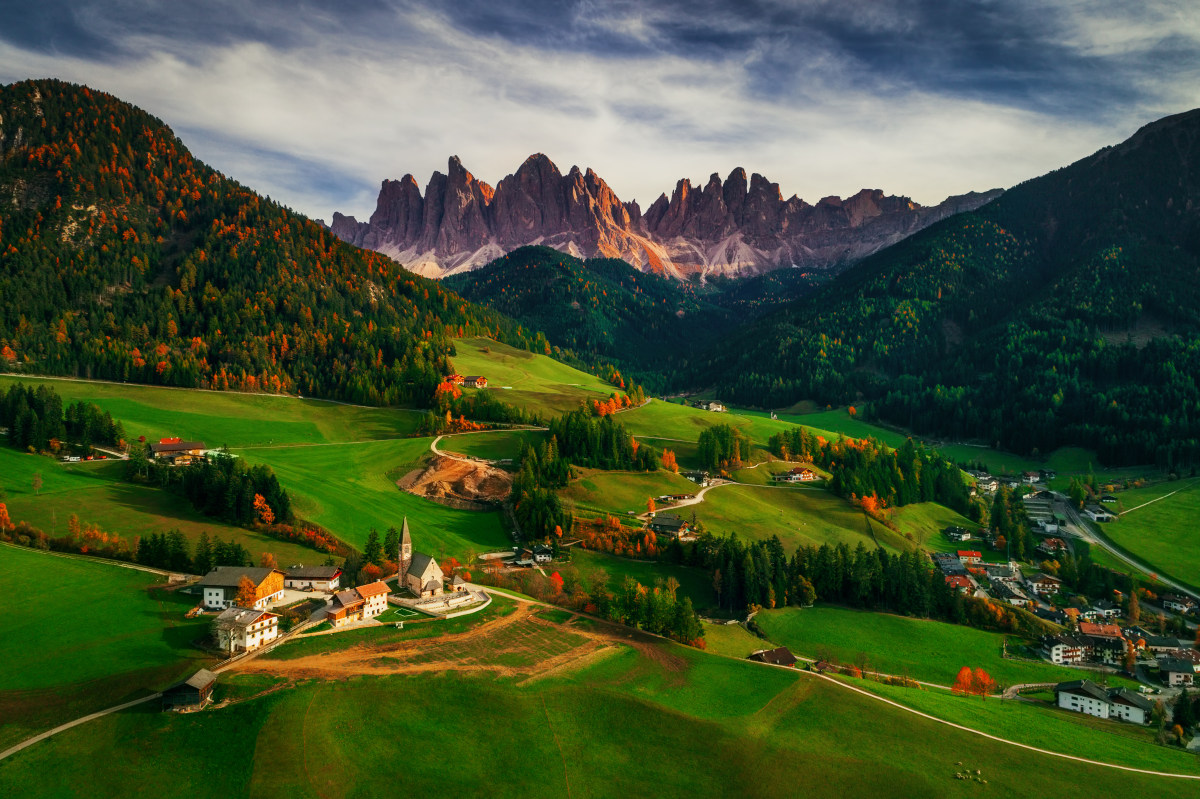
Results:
x,y
1062,313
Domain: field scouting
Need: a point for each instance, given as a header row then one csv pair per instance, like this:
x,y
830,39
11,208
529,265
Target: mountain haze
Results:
x,y
737,227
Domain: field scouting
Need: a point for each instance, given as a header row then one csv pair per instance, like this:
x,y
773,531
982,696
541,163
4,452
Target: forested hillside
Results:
x,y
123,257
599,310
1065,312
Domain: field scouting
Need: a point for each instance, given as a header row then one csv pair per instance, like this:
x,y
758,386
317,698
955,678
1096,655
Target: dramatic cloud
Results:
x,y
315,103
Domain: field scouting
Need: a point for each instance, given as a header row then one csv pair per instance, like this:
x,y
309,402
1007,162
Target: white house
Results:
x,y
1097,514
1044,584
316,578
245,629
1083,696
1129,706
1176,671
1177,603
1064,649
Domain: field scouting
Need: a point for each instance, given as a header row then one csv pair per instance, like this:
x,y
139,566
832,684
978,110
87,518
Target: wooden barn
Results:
x,y
192,694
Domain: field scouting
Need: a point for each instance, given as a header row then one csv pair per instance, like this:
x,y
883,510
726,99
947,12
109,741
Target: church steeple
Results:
x,y
405,553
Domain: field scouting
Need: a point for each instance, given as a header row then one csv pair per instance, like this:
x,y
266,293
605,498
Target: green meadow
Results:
x,y
1163,532
237,420
495,445
925,521
800,516
81,636
536,383
922,649
350,488
1046,726
95,492
621,492
657,720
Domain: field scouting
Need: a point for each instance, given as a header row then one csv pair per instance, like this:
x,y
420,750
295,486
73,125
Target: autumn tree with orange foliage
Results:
x,y
668,461
265,514
267,561
247,593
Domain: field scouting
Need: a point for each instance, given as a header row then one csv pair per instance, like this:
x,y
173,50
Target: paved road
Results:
x,y
1080,529
82,720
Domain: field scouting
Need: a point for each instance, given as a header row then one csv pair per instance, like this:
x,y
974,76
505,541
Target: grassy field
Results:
x,y
924,521
494,445
668,420
1049,728
621,492
1162,533
927,650
799,516
236,420
731,640
96,494
693,582
760,475
534,382
350,488
656,719
81,636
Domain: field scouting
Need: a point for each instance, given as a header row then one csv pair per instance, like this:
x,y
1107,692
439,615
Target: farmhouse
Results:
x,y
1176,671
1097,514
357,604
714,406
669,524
542,554
177,451
957,534
192,694
245,629
475,381
800,474
316,578
1010,594
776,657
1129,706
1177,603
1044,584
699,478
220,586
969,556
454,380
1002,572
1109,631
960,583
1064,648
1052,546
1083,696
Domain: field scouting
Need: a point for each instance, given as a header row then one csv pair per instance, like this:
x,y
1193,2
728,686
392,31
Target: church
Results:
x,y
419,573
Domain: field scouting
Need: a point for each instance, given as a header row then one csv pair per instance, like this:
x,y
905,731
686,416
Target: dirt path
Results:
x,y
64,727
448,477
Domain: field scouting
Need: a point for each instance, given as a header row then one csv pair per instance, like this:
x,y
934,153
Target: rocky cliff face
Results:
x,y
735,227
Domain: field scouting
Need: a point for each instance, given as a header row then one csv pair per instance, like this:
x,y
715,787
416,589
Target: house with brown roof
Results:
x,y
1044,584
176,451
221,585
357,604
474,381
192,694
313,578
781,656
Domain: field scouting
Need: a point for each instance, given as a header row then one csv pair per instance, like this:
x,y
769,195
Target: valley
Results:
x,y
735,495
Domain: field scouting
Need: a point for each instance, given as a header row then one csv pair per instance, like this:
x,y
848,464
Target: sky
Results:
x,y
315,103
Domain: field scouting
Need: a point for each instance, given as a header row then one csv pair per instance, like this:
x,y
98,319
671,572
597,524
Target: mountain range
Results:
x,y
737,227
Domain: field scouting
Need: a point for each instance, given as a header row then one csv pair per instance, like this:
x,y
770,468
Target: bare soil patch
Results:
x,y
517,645
447,478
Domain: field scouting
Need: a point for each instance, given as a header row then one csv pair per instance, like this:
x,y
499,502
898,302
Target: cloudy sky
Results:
x,y
315,102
